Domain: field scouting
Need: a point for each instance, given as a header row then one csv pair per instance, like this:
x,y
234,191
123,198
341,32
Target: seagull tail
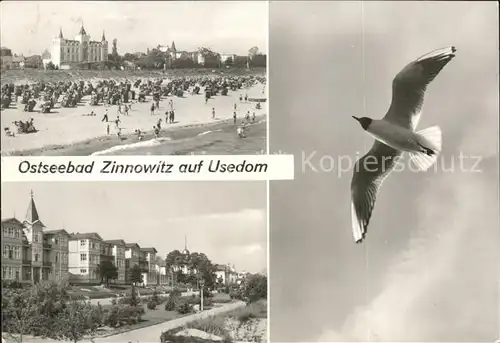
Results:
x,y
431,142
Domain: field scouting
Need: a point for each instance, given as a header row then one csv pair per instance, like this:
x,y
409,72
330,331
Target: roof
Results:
x,y
55,232
115,241
32,213
82,31
88,235
46,54
132,245
220,267
150,250
12,220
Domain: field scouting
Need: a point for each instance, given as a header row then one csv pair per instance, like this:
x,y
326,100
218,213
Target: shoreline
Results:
x,y
90,146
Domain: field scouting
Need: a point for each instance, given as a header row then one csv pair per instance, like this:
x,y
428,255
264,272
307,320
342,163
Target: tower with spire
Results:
x,y
185,251
33,231
33,225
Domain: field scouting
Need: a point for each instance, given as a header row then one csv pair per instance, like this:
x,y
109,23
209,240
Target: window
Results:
x,y
83,271
17,233
36,256
68,50
17,253
56,240
83,257
57,257
5,251
18,273
93,245
83,242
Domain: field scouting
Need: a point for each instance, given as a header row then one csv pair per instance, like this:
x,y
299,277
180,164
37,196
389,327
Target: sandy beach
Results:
x,y
69,127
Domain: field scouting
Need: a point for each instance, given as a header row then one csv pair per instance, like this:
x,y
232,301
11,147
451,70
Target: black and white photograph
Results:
x,y
81,78
134,262
390,230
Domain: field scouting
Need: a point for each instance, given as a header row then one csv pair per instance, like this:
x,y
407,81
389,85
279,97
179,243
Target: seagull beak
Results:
x,y
356,118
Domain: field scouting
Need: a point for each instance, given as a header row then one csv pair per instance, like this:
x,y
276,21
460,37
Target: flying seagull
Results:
x,y
395,134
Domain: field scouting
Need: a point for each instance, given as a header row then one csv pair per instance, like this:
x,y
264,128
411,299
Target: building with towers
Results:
x,y
67,52
30,253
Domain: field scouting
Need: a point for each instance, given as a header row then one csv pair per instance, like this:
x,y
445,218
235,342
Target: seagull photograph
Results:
x,y
395,134
399,93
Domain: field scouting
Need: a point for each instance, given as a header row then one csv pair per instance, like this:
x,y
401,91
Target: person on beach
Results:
x,y
119,132
152,109
240,132
253,117
247,116
172,117
119,110
140,136
171,105
246,97
105,117
235,109
213,113
107,129
157,131
159,123
117,122
241,97
234,117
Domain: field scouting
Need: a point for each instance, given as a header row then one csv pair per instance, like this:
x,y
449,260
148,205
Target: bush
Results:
x,y
120,315
152,305
184,308
113,301
170,304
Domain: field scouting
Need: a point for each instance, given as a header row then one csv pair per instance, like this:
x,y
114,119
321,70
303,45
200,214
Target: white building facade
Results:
x,y
65,52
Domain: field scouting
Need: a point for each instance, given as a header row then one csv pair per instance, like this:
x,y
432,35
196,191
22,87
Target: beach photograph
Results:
x,y
134,262
389,231
133,78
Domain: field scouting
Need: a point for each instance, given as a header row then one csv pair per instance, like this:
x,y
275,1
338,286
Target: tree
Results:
x,y
76,321
50,66
114,50
136,275
19,312
134,301
255,287
253,51
108,271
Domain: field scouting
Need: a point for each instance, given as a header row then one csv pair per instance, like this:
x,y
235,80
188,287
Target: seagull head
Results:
x,y
364,121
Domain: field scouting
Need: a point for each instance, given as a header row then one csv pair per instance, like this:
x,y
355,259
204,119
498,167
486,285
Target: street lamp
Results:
x,y
202,282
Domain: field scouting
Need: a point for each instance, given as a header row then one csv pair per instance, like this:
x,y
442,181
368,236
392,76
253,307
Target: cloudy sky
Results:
x,y
225,220
227,27
428,271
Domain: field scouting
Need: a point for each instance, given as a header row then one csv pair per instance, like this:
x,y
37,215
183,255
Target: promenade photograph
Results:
x,y
133,78
134,262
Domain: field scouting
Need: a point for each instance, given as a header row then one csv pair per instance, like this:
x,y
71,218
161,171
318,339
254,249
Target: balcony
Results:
x,y
26,262
47,264
47,245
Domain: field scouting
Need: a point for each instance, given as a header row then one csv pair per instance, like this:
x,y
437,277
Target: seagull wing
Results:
x,y
369,173
409,85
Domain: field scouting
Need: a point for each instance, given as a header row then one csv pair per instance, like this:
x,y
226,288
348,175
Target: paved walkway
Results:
x,y
152,333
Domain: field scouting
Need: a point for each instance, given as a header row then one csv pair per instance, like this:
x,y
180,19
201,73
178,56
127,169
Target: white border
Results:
x,y
147,168
267,182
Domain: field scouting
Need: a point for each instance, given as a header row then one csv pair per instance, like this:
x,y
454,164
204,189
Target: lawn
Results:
x,y
159,315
